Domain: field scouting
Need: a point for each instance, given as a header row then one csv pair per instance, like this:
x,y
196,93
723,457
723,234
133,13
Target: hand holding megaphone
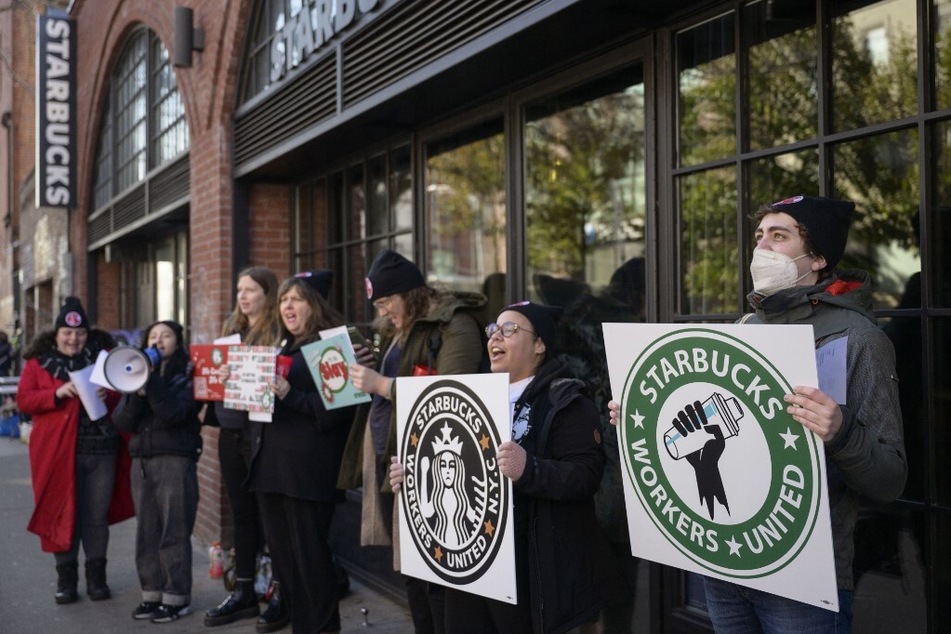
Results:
x,y
127,368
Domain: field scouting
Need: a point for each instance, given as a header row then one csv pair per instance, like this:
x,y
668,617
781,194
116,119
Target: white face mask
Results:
x,y
773,271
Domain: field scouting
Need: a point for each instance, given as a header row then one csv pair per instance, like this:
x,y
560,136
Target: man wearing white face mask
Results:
x,y
799,241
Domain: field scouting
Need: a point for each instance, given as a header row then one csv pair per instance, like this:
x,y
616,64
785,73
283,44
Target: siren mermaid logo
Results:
x,y
698,408
454,494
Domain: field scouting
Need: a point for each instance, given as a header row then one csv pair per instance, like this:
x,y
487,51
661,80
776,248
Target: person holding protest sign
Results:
x,y
295,462
555,461
424,332
799,242
255,319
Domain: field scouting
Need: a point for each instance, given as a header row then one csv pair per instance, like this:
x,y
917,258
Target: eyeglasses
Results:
x,y
507,329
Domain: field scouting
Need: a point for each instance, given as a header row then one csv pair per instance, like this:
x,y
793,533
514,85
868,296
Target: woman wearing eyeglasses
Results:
x,y
555,462
424,331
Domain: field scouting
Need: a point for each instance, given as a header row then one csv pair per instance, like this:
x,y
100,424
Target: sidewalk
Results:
x,y
28,578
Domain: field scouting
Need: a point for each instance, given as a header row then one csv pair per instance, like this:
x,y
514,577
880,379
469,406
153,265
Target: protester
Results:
x,y
295,461
255,319
79,467
424,331
799,242
555,461
162,417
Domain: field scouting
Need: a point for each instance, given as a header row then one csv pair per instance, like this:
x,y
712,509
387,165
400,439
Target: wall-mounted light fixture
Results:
x,y
188,37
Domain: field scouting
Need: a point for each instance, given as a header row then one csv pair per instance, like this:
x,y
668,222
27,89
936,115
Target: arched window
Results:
x,y
143,123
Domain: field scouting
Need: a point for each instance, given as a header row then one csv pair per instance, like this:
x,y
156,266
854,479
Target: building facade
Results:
x,y
543,149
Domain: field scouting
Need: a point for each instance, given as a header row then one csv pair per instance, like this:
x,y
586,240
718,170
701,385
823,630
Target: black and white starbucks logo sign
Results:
x,y
454,496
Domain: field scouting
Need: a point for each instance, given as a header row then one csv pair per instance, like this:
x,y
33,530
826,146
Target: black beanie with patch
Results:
x,y
827,221
391,273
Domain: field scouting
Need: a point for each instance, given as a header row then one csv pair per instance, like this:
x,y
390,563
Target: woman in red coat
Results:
x,y
79,466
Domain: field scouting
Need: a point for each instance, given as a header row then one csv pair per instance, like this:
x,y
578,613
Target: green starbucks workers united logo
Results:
x,y
726,475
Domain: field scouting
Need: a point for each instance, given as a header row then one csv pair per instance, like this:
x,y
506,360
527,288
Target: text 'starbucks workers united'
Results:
x,y
453,491
699,408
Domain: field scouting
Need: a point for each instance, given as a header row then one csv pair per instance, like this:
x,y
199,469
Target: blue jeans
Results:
x,y
737,609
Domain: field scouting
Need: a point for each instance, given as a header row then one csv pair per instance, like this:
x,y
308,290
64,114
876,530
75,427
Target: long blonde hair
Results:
x,y
267,330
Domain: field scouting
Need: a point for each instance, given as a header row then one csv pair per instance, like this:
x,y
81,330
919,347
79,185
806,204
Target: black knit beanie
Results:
x,y
391,273
826,220
319,279
544,320
72,315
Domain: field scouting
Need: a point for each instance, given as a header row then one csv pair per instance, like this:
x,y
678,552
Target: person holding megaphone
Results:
x,y
162,417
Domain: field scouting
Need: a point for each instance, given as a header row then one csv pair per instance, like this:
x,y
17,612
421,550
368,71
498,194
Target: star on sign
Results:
x,y
790,439
484,441
438,554
489,528
734,546
638,419
414,439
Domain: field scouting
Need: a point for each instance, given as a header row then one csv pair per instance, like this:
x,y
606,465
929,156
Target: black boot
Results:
x,y
96,586
240,604
275,617
68,579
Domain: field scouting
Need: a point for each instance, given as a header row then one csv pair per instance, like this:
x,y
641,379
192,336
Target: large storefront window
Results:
x,y
585,193
875,62
941,23
709,243
783,73
465,209
347,217
706,105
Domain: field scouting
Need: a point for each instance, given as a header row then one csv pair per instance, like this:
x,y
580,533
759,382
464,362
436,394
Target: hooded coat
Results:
x,y
867,456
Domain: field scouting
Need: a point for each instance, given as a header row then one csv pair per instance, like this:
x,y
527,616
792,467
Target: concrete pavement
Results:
x,y
28,579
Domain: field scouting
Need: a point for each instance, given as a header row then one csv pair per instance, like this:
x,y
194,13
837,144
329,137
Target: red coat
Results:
x,y
53,459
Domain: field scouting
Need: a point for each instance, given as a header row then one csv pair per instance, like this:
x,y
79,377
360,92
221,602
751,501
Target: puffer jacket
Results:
x,y
165,421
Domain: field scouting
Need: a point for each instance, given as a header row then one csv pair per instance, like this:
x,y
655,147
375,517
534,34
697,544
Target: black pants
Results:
x,y
297,533
473,614
234,455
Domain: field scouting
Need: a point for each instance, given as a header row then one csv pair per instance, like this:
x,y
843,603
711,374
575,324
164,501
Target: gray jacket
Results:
x,y
867,456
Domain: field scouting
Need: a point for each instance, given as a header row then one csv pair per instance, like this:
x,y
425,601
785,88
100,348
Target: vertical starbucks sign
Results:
x,y
718,478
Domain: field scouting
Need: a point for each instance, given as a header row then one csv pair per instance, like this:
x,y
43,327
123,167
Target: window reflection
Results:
x,y
465,208
709,243
875,62
783,67
942,43
880,174
706,71
939,220
890,570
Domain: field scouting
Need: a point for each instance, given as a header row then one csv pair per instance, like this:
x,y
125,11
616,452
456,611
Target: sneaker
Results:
x,y
168,613
146,610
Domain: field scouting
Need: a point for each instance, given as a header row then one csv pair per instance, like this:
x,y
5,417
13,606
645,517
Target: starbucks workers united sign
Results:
x,y
718,478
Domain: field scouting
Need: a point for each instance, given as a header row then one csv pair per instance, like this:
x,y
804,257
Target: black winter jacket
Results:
x,y
165,421
558,541
298,454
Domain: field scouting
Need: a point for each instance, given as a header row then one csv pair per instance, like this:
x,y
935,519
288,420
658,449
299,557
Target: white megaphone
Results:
x,y
127,368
